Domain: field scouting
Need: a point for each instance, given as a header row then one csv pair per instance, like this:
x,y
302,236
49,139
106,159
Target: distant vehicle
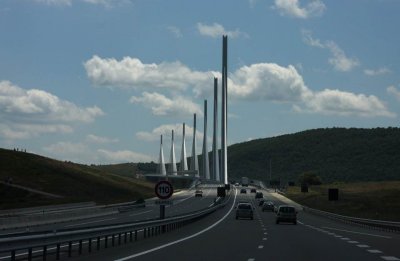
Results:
x,y
261,202
245,181
268,206
259,195
236,184
198,193
243,191
286,214
253,190
244,210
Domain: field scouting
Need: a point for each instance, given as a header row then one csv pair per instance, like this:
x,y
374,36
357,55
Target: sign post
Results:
x,y
163,190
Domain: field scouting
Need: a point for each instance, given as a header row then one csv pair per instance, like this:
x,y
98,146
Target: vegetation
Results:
x,y
336,154
73,181
373,200
309,179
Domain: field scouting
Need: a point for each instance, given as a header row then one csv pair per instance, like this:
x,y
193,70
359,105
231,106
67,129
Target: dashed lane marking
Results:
x,y
374,251
389,258
345,238
264,238
353,242
140,213
355,232
250,259
363,246
261,246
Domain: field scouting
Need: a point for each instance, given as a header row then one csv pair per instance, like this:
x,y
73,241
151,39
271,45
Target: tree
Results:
x,y
310,178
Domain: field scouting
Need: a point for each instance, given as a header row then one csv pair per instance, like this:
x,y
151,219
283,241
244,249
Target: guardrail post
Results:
x,y
13,255
69,248
98,243
135,235
90,245
30,254
106,242
126,236
80,246
144,232
119,239
130,236
44,253
113,240
58,252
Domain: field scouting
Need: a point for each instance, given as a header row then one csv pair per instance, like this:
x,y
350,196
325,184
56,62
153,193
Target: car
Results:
x,y
236,184
259,195
243,191
261,202
198,193
286,213
253,190
244,210
268,206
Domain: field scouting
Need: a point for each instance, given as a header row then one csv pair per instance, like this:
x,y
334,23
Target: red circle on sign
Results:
x,y
163,189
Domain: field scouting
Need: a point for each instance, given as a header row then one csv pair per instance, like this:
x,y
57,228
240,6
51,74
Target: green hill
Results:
x,y
75,182
335,154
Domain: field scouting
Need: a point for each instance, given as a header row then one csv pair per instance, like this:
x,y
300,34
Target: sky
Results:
x,y
98,81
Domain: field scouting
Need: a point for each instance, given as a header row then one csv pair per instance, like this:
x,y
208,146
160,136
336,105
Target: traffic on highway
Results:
x,y
240,229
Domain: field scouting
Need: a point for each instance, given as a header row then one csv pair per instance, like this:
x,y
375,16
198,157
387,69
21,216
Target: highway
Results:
x,y
220,236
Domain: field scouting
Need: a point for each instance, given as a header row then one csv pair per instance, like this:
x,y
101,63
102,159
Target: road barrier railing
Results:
x,y
379,224
65,243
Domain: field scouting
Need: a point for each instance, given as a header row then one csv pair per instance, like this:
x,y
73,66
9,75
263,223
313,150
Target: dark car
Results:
x,y
198,193
259,195
244,210
253,190
286,214
243,191
268,206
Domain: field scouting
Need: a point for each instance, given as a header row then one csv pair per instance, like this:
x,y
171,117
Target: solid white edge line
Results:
x,y
359,233
182,239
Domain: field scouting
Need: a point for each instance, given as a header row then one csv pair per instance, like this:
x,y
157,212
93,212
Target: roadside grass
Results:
x,y
373,200
76,182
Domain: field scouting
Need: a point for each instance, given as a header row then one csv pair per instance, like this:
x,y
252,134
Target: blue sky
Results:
x,y
98,81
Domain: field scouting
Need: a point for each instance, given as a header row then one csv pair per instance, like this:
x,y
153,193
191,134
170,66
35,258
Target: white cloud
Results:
x,y
166,129
380,71
160,105
335,102
121,156
393,91
262,81
175,31
132,73
339,60
292,8
216,30
100,140
33,112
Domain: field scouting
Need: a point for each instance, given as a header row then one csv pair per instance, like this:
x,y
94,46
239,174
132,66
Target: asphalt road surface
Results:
x,y
220,236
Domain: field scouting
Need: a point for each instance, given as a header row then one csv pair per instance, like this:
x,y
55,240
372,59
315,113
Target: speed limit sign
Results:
x,y
164,189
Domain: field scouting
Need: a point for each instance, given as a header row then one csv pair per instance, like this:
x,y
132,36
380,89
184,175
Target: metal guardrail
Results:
x,y
380,224
66,242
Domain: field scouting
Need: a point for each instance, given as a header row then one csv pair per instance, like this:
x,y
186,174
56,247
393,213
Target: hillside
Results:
x,y
74,182
335,154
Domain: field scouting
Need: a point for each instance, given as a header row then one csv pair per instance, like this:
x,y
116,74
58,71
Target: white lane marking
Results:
x,y
140,213
359,233
300,222
337,236
264,228
374,251
345,238
353,242
264,238
260,246
363,246
250,259
182,239
265,233
390,258
96,221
